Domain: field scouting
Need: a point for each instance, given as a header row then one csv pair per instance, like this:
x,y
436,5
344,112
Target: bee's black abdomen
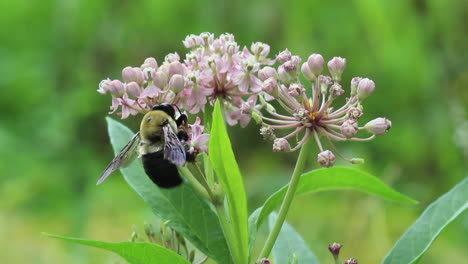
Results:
x,y
161,171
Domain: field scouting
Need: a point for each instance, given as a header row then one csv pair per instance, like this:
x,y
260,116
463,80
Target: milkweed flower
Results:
x,y
250,86
309,113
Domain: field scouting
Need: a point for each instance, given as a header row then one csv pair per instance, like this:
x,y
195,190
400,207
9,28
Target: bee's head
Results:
x,y
166,108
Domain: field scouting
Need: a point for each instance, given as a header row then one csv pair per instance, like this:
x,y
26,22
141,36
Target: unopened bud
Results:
x,y
284,56
336,90
133,89
266,72
357,161
355,113
284,75
351,261
132,74
264,261
365,88
280,144
335,249
116,88
336,67
315,62
150,63
378,126
160,79
176,68
270,86
176,84
307,72
349,128
326,158
354,85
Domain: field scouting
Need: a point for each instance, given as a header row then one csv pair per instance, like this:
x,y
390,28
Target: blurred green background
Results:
x,y
54,143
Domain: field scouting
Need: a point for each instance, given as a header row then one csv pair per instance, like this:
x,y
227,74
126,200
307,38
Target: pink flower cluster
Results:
x,y
248,86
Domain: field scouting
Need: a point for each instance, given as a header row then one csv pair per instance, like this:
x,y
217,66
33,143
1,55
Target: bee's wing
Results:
x,y
174,151
123,159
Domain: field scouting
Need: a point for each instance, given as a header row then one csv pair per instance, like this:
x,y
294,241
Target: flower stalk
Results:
x,y
300,164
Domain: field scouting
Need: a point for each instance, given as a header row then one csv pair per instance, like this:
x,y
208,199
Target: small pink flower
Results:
x,y
197,139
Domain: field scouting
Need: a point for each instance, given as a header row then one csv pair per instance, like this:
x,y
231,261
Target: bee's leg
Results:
x,y
182,120
190,157
182,135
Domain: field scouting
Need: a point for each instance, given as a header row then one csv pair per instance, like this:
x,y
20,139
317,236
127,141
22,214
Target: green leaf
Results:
x,y
133,252
290,245
420,236
230,178
189,214
325,179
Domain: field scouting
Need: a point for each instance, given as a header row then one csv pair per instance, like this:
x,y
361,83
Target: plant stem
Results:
x,y
230,239
300,164
198,187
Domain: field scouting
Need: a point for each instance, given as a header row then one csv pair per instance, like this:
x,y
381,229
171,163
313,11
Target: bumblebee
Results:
x,y
159,144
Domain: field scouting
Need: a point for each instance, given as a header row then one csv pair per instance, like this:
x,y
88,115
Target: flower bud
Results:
x,y
315,62
150,63
176,83
326,158
270,86
280,144
265,261
160,79
357,161
349,128
336,67
378,126
176,68
116,88
266,72
308,74
132,74
365,88
284,56
336,90
335,249
355,113
260,50
133,89
351,261
283,75
354,85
